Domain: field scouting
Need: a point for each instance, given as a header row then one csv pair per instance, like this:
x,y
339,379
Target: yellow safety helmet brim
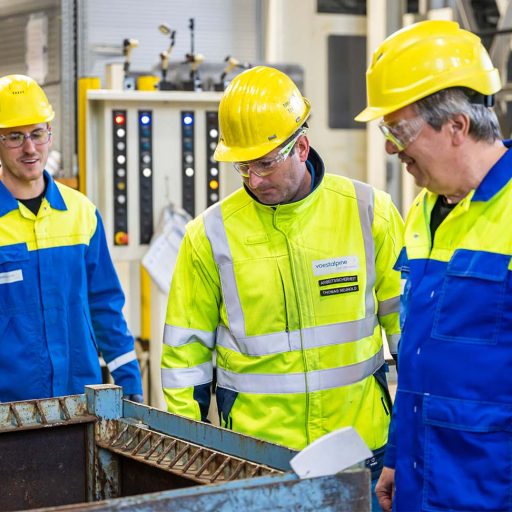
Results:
x,y
422,59
23,102
260,109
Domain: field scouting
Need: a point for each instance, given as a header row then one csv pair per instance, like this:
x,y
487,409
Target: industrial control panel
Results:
x,y
147,150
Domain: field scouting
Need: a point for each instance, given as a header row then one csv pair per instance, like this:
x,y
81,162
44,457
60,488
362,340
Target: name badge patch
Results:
x,y
11,277
335,265
337,291
337,280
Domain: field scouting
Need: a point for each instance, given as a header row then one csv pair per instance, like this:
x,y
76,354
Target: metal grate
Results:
x,y
202,465
44,412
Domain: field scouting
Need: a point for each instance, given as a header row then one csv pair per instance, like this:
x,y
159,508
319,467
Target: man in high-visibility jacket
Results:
x,y
60,299
289,281
450,438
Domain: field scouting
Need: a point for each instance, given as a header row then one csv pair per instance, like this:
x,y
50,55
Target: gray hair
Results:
x,y
441,106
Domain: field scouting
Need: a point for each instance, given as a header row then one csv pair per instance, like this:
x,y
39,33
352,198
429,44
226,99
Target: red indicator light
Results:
x,y
119,119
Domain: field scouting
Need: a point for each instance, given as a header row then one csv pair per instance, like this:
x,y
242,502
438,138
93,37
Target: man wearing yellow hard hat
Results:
x,y
288,281
450,439
60,299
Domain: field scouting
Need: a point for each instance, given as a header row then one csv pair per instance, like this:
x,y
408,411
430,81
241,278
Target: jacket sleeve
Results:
x,y
106,301
190,330
388,232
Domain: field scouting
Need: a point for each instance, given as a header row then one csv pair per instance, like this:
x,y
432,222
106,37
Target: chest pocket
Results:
x,y
15,293
472,300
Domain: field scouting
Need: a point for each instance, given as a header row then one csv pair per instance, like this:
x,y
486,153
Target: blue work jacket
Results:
x,y
451,433
60,300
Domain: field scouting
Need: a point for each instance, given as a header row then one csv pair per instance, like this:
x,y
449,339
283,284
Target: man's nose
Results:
x,y
28,140
253,179
391,148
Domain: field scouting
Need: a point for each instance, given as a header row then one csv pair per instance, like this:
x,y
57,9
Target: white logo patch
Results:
x,y
11,277
333,265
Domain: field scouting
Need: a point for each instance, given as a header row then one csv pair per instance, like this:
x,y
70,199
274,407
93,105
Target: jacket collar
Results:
x,y
496,178
8,202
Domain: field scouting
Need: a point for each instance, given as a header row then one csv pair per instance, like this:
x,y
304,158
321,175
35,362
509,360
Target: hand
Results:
x,y
385,488
135,398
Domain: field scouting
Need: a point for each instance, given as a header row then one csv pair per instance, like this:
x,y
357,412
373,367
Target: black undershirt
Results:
x,y
440,211
34,203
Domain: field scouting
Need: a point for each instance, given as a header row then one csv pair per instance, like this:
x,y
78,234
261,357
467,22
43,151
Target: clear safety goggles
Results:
x,y
16,139
404,132
266,166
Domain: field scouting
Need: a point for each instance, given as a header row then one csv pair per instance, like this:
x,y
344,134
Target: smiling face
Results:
x,y
22,167
429,157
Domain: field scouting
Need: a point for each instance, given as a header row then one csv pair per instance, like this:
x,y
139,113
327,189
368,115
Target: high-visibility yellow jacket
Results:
x,y
291,299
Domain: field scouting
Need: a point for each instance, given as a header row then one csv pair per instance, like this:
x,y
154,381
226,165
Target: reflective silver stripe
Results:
x,y
389,306
187,377
365,205
178,336
216,234
318,380
121,360
310,337
393,340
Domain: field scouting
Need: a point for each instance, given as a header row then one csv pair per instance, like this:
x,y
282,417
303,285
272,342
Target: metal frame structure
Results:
x,y
75,452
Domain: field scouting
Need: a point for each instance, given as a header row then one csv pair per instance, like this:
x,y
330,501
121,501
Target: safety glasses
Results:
x,y
266,166
404,132
16,139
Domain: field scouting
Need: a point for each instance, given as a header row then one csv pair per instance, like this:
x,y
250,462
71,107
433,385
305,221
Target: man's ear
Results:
x,y
459,128
302,148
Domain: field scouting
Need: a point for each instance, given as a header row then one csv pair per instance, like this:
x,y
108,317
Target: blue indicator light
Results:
x,y
145,119
188,119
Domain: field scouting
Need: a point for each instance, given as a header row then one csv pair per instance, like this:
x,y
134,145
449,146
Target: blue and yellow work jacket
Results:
x,y
451,434
60,300
291,299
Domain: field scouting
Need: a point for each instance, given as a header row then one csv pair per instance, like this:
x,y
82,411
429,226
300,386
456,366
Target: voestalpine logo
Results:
x,y
334,265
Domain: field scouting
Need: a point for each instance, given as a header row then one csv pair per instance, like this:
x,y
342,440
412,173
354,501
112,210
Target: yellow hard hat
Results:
x,y
260,109
422,59
23,102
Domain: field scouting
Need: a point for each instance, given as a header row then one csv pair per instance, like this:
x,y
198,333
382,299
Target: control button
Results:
x,y
213,133
121,238
189,172
214,197
214,184
121,199
146,172
214,171
121,185
121,172
120,146
120,133
146,159
121,159
189,159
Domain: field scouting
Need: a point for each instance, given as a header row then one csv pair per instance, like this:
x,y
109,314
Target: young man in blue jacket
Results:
x,y
60,298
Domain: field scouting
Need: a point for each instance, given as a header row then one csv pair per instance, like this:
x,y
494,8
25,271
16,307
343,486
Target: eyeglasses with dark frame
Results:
x,y
17,139
266,166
